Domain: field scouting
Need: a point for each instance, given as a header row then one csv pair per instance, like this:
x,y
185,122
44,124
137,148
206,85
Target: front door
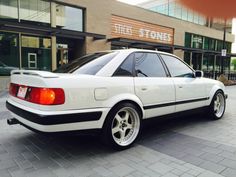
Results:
x,y
190,91
152,86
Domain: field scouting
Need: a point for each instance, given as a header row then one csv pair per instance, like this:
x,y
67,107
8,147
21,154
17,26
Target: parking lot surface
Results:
x,y
185,146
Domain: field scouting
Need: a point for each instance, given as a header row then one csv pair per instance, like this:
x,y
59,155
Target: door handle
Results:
x,y
180,86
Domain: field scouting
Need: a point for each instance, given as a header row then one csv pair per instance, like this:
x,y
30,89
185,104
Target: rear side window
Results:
x,y
176,67
126,68
148,65
89,64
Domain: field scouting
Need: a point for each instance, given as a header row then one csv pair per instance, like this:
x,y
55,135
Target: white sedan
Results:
x,y
113,91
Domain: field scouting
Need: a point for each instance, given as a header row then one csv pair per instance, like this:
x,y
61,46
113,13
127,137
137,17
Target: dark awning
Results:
x,y
137,43
46,30
152,45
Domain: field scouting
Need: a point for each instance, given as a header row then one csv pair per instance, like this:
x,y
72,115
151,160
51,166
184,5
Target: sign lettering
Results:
x,y
123,29
134,29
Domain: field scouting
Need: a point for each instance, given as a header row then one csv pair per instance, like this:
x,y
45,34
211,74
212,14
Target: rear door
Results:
x,y
190,91
152,85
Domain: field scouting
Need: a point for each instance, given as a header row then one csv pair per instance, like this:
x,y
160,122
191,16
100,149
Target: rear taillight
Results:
x,y
38,95
46,96
13,89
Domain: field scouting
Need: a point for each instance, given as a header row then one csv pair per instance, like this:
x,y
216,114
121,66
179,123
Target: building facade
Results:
x,y
40,34
209,58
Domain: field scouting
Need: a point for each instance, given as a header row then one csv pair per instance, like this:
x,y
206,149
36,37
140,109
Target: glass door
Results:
x,y
197,61
32,60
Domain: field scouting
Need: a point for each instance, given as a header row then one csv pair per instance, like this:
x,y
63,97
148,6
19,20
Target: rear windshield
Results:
x,y
89,64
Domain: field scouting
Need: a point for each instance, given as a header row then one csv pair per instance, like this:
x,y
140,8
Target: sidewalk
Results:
x,y
4,114
3,93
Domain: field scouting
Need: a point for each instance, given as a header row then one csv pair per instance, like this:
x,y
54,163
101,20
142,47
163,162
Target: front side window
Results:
x,y
89,64
176,67
148,65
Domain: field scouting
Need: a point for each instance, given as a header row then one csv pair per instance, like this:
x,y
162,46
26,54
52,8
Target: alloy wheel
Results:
x,y
219,105
125,126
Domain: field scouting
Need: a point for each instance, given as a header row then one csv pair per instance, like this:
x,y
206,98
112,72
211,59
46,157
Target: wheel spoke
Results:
x,y
215,106
122,136
129,126
118,118
115,130
218,99
126,117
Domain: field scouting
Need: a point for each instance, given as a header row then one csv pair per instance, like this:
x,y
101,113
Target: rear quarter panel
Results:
x,y
87,92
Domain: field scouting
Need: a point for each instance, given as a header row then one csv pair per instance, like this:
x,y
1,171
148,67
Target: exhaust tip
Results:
x,y
12,121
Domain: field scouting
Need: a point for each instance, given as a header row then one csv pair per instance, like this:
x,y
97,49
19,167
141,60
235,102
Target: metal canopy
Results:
x,y
144,44
137,43
46,30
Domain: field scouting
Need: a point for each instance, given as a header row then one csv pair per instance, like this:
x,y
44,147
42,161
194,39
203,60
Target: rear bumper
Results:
x,y
54,119
92,119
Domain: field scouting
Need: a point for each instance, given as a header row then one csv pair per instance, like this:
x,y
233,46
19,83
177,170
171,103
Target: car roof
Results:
x,y
139,50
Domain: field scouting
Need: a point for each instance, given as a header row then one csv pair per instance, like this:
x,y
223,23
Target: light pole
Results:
x,y
223,51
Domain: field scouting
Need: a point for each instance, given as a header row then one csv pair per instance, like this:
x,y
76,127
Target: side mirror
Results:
x,y
199,73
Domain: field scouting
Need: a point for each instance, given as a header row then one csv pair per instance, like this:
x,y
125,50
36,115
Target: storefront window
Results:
x,y
206,43
208,63
209,43
36,53
218,64
219,45
35,11
187,56
9,53
188,38
8,9
212,44
197,41
69,18
197,60
228,46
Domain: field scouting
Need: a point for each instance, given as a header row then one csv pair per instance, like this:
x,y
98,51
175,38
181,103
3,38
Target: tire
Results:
x,y
122,126
217,107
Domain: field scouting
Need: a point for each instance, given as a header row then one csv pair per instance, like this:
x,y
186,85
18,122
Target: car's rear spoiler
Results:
x,y
44,74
